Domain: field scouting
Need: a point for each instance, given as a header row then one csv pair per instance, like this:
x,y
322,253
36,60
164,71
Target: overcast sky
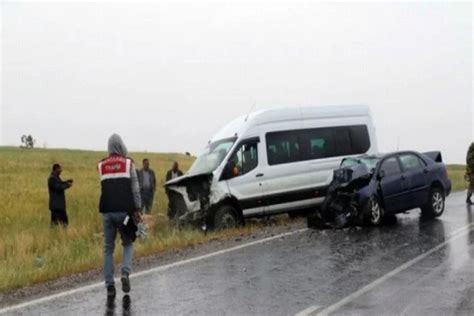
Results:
x,y
167,76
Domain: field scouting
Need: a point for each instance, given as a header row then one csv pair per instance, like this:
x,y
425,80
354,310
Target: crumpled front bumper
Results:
x,y
181,208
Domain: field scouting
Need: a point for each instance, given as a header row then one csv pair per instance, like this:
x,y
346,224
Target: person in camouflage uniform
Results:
x,y
470,173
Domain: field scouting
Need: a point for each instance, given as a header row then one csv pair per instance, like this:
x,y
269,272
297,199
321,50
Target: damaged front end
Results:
x,y
189,198
347,195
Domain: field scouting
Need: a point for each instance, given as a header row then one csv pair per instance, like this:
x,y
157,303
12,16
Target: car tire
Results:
x,y
374,212
225,217
435,205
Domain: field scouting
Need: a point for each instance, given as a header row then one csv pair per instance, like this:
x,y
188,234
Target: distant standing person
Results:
x,y
170,175
470,173
120,197
147,179
57,197
174,172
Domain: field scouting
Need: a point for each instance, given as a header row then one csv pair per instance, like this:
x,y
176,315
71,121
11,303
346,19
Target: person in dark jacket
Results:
x,y
147,180
57,197
120,203
174,172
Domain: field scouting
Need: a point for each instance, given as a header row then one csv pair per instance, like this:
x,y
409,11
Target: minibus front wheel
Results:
x,y
226,216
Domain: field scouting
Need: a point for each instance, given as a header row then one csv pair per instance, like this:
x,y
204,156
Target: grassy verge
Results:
x,y
31,252
456,174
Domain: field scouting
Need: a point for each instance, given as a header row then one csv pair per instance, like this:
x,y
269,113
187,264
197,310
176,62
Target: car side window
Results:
x,y
244,160
391,167
411,162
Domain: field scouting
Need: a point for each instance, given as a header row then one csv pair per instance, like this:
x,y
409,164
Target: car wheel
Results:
x,y
374,212
436,203
225,217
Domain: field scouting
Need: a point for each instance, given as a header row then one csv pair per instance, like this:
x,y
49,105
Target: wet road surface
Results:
x,y
411,267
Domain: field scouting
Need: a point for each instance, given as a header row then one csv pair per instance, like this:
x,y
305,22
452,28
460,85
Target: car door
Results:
x,y
414,171
391,184
244,179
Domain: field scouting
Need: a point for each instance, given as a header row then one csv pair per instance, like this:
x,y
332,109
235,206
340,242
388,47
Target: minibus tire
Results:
x,y
225,217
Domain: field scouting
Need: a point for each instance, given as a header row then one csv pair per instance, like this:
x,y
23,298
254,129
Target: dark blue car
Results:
x,y
367,188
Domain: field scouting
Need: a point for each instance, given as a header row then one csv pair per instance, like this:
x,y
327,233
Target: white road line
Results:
x,y
459,233
310,310
146,272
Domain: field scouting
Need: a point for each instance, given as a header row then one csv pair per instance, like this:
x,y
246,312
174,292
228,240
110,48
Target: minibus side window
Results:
x,y
318,143
343,141
283,147
360,139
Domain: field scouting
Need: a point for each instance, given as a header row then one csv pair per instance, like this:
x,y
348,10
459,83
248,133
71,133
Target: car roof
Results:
x,y
384,155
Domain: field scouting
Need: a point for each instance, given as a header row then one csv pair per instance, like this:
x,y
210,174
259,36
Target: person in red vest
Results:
x,y
120,203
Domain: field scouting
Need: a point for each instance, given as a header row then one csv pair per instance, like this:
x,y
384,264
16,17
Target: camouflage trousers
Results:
x,y
470,179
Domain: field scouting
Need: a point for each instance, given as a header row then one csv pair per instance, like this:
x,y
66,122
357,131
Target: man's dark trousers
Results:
x,y
59,216
147,196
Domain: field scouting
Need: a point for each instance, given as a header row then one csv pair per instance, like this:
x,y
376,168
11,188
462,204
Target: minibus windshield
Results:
x,y
212,156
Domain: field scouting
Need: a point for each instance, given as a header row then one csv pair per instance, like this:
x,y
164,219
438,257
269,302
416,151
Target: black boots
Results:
x,y
468,199
111,292
125,283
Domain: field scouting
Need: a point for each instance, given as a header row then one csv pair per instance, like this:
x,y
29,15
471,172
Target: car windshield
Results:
x,y
370,162
212,156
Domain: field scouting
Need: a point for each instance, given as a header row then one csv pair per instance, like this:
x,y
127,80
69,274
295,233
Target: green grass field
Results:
x,y
31,252
456,174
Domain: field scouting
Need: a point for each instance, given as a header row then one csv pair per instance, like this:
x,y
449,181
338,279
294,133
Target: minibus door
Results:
x,y
244,179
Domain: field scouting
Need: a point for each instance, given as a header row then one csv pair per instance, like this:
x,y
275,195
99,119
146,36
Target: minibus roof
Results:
x,y
240,125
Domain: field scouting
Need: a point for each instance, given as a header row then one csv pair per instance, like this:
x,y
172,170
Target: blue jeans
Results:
x,y
112,223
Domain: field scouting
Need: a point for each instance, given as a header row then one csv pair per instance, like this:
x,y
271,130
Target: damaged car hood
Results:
x,y
348,175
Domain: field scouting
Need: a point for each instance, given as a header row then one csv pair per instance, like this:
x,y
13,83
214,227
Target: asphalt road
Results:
x,y
411,267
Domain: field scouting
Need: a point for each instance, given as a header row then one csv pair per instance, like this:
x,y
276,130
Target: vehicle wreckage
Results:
x,y
367,188
269,162
190,197
348,197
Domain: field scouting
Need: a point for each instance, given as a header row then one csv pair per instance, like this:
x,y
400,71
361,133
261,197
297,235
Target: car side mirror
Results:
x,y
381,175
